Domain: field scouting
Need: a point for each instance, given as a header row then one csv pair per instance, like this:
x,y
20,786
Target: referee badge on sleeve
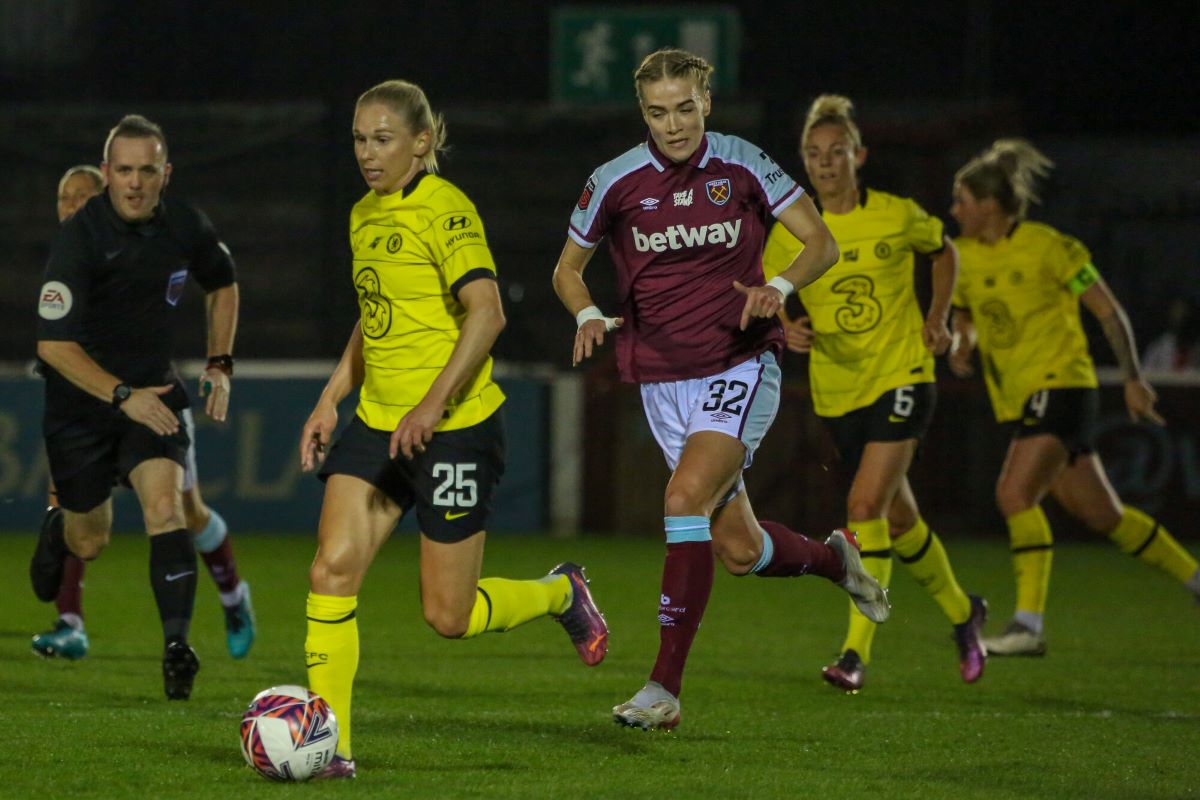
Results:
x,y
175,286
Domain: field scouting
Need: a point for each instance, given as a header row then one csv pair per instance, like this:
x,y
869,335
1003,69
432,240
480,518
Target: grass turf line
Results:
x,y
1112,711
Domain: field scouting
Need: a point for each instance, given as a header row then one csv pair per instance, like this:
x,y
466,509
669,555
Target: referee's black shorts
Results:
x,y
451,483
92,454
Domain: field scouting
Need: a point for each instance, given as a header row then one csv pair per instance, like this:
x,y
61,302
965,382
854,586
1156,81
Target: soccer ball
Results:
x,y
288,733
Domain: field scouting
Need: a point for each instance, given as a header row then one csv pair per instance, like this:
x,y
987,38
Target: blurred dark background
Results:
x,y
256,100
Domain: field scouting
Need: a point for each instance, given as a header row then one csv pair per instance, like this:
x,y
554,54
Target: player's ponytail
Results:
x,y
672,63
832,109
1007,171
409,102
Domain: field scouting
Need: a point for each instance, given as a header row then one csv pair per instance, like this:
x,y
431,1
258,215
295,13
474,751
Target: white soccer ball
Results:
x,y
288,733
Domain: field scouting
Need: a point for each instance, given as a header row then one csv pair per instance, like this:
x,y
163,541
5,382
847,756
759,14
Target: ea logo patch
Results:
x,y
394,243
54,302
883,250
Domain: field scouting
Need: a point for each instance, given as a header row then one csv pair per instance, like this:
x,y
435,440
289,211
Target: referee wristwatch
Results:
x,y
222,362
121,393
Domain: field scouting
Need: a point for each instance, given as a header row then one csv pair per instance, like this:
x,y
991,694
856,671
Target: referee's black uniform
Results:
x,y
114,287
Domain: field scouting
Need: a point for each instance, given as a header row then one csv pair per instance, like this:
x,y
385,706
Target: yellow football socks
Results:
x,y
920,551
1140,535
1031,542
502,604
875,545
331,655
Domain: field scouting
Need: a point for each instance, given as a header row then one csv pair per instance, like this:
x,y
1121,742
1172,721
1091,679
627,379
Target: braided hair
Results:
x,y
671,63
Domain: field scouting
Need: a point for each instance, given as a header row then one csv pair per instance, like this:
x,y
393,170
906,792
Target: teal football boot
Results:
x,y
239,625
63,641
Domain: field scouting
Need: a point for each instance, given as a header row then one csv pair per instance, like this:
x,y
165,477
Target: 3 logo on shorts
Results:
x,y
54,302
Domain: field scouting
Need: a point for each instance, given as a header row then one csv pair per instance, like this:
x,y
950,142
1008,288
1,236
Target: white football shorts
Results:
x,y
741,402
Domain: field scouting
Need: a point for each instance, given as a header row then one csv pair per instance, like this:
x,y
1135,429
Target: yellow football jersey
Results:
x,y
864,310
413,250
1023,295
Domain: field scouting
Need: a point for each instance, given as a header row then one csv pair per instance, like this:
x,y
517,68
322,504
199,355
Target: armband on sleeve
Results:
x,y
1087,275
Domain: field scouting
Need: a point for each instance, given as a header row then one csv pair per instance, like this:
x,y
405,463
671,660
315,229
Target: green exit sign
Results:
x,y
597,48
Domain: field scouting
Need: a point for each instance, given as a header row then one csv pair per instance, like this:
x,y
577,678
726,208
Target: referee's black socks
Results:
x,y
173,577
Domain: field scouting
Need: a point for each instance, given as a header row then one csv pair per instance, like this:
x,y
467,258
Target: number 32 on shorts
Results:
x,y
726,396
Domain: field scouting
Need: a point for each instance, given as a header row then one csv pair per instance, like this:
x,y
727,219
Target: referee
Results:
x,y
113,407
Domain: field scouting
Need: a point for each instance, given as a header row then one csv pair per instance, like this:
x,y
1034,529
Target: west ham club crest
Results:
x,y
718,191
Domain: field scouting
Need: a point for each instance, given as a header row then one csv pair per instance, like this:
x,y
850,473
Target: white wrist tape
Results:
x,y
592,312
784,286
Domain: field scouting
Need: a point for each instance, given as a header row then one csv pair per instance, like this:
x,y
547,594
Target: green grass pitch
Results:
x,y
1113,711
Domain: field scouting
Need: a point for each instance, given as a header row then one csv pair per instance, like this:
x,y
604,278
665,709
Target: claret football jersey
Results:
x,y
680,234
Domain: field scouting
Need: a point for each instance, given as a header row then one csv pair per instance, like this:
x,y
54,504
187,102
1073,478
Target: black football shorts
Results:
x,y
898,414
1069,414
94,453
451,484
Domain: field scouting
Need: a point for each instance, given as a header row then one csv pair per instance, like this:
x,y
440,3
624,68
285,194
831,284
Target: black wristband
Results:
x,y
223,363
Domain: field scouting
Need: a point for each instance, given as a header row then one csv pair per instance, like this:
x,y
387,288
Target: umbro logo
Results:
x,y
649,203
